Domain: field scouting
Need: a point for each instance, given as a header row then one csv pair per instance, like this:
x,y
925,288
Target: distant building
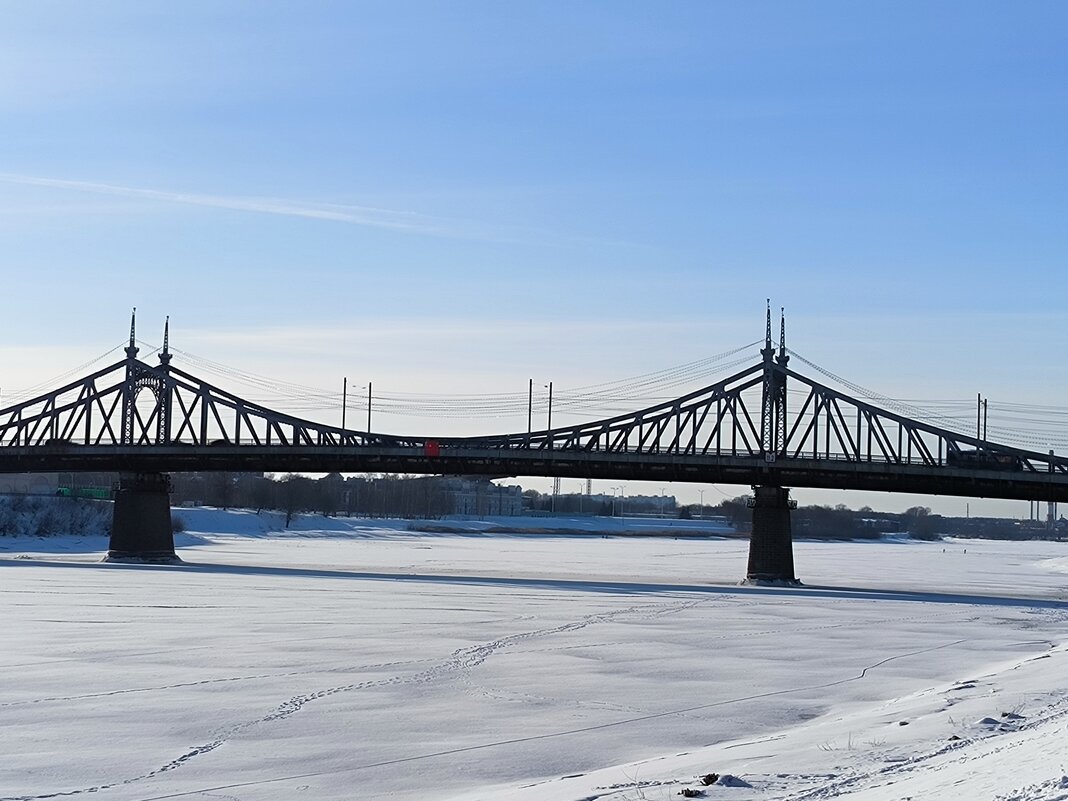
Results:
x,y
82,485
29,483
480,496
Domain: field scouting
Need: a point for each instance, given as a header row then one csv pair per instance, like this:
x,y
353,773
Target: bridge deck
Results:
x,y
838,473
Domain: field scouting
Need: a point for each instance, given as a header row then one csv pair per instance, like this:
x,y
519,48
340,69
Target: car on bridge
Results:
x,y
983,460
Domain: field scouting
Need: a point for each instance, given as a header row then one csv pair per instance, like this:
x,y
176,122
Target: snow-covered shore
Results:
x,y
359,660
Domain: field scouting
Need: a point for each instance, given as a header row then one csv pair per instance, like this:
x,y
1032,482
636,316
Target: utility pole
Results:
x,y
344,399
530,408
549,425
368,407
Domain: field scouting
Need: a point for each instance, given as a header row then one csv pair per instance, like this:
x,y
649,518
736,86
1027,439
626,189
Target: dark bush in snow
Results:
x,y
46,517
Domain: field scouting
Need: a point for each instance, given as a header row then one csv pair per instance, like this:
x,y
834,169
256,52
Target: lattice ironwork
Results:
x,y
103,409
146,415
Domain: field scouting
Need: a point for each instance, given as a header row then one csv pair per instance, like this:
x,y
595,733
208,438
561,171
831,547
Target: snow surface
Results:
x,y
355,659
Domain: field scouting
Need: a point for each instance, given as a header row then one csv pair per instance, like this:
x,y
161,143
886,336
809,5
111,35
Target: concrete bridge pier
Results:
x,y
141,520
771,545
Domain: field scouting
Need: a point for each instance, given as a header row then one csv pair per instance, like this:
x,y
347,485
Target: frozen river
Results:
x,y
374,663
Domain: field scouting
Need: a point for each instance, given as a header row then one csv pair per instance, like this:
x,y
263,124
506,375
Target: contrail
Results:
x,y
352,215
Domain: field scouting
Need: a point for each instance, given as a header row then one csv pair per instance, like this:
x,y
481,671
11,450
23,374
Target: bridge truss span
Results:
x,y
832,425
132,416
106,408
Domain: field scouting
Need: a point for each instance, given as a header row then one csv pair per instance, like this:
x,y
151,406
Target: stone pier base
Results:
x,y
141,520
771,546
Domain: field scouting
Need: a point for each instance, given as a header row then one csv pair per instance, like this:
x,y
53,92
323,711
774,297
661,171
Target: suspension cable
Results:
x,y
50,383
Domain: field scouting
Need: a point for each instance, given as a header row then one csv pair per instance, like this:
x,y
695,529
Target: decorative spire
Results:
x,y
131,349
782,358
165,354
769,350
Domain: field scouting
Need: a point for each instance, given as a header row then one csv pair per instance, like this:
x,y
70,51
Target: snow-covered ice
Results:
x,y
353,659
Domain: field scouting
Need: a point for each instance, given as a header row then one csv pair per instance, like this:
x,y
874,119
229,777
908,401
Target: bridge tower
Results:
x,y
771,548
141,517
129,390
163,394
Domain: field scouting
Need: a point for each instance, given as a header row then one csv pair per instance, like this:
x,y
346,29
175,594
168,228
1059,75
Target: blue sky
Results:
x,y
445,197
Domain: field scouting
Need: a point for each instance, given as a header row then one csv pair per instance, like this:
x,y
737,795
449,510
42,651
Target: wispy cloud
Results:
x,y
369,216
352,215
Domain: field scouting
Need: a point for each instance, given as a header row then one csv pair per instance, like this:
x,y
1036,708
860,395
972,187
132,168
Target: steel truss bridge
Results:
x,y
132,416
